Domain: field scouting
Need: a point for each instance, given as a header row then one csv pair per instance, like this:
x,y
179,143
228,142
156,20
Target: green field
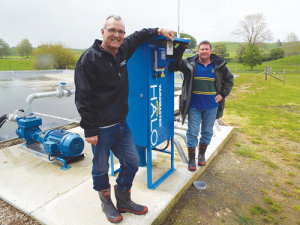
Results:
x,y
292,63
232,46
265,105
15,63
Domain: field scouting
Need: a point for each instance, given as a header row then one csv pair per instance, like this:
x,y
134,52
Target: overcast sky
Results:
x,y
77,23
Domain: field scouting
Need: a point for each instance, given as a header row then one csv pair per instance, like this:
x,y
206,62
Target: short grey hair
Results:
x,y
116,17
204,42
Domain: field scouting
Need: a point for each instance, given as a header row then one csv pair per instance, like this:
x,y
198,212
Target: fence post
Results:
x,y
284,77
266,73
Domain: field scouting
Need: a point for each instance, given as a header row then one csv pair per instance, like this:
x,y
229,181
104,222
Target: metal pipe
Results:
x,y
59,93
176,126
181,135
218,126
178,33
180,151
76,120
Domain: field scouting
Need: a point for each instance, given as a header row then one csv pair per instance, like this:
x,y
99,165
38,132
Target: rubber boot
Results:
x,y
125,204
201,156
192,162
112,214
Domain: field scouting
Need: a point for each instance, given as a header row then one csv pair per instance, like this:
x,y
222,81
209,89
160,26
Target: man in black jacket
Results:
x,y
101,98
207,81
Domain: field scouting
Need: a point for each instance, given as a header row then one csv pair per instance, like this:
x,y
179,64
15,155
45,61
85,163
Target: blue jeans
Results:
x,y
207,119
117,138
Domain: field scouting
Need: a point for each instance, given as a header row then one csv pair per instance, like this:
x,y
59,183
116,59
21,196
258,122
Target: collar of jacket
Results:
x,y
98,47
218,61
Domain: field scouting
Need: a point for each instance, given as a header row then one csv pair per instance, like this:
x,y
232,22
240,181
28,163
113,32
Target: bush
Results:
x,y
252,56
54,56
276,53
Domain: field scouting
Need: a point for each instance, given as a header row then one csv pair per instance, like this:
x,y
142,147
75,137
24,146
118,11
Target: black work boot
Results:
x,y
125,204
112,214
192,162
201,156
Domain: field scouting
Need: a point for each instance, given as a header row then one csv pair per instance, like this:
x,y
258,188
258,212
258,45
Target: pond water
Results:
x,y
13,94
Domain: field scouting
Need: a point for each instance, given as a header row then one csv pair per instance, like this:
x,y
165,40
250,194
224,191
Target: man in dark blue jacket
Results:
x,y
101,98
207,82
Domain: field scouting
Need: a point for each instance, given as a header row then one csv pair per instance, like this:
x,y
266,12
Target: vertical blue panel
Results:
x,y
151,99
138,92
161,101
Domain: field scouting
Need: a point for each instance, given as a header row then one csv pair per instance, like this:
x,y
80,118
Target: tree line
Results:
x,y
24,48
253,29
47,56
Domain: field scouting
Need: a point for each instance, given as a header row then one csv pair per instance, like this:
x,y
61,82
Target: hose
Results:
x,y
50,158
162,149
3,119
9,117
177,113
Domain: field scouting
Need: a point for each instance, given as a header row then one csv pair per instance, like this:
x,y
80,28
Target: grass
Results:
x,y
264,191
15,64
289,182
257,209
268,113
244,220
275,207
286,194
248,152
266,105
269,200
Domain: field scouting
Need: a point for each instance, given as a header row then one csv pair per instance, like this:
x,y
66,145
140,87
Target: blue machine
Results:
x,y
59,144
151,102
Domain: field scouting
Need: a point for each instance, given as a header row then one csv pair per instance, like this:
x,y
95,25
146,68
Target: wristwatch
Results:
x,y
159,29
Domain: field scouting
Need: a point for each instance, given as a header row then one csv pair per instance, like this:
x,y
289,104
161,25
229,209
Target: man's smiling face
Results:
x,y
204,52
112,42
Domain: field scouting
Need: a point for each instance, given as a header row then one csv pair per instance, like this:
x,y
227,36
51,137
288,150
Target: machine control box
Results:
x,y
161,57
151,93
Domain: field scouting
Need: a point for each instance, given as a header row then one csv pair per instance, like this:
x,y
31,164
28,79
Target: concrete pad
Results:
x,y
54,196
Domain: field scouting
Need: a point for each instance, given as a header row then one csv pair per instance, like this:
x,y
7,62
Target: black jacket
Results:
x,y
101,83
224,79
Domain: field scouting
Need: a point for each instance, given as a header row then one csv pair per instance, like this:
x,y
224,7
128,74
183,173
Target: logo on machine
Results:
x,y
156,114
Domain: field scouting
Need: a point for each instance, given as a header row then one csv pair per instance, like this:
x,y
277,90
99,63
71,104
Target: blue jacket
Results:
x,y
224,79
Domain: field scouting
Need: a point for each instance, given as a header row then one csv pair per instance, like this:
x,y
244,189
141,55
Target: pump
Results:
x,y
56,144
61,145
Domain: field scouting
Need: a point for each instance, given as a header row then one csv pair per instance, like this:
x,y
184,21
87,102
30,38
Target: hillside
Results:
x,y
232,46
291,61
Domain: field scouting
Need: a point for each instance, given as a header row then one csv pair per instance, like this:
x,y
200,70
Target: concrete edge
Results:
x,y
163,215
